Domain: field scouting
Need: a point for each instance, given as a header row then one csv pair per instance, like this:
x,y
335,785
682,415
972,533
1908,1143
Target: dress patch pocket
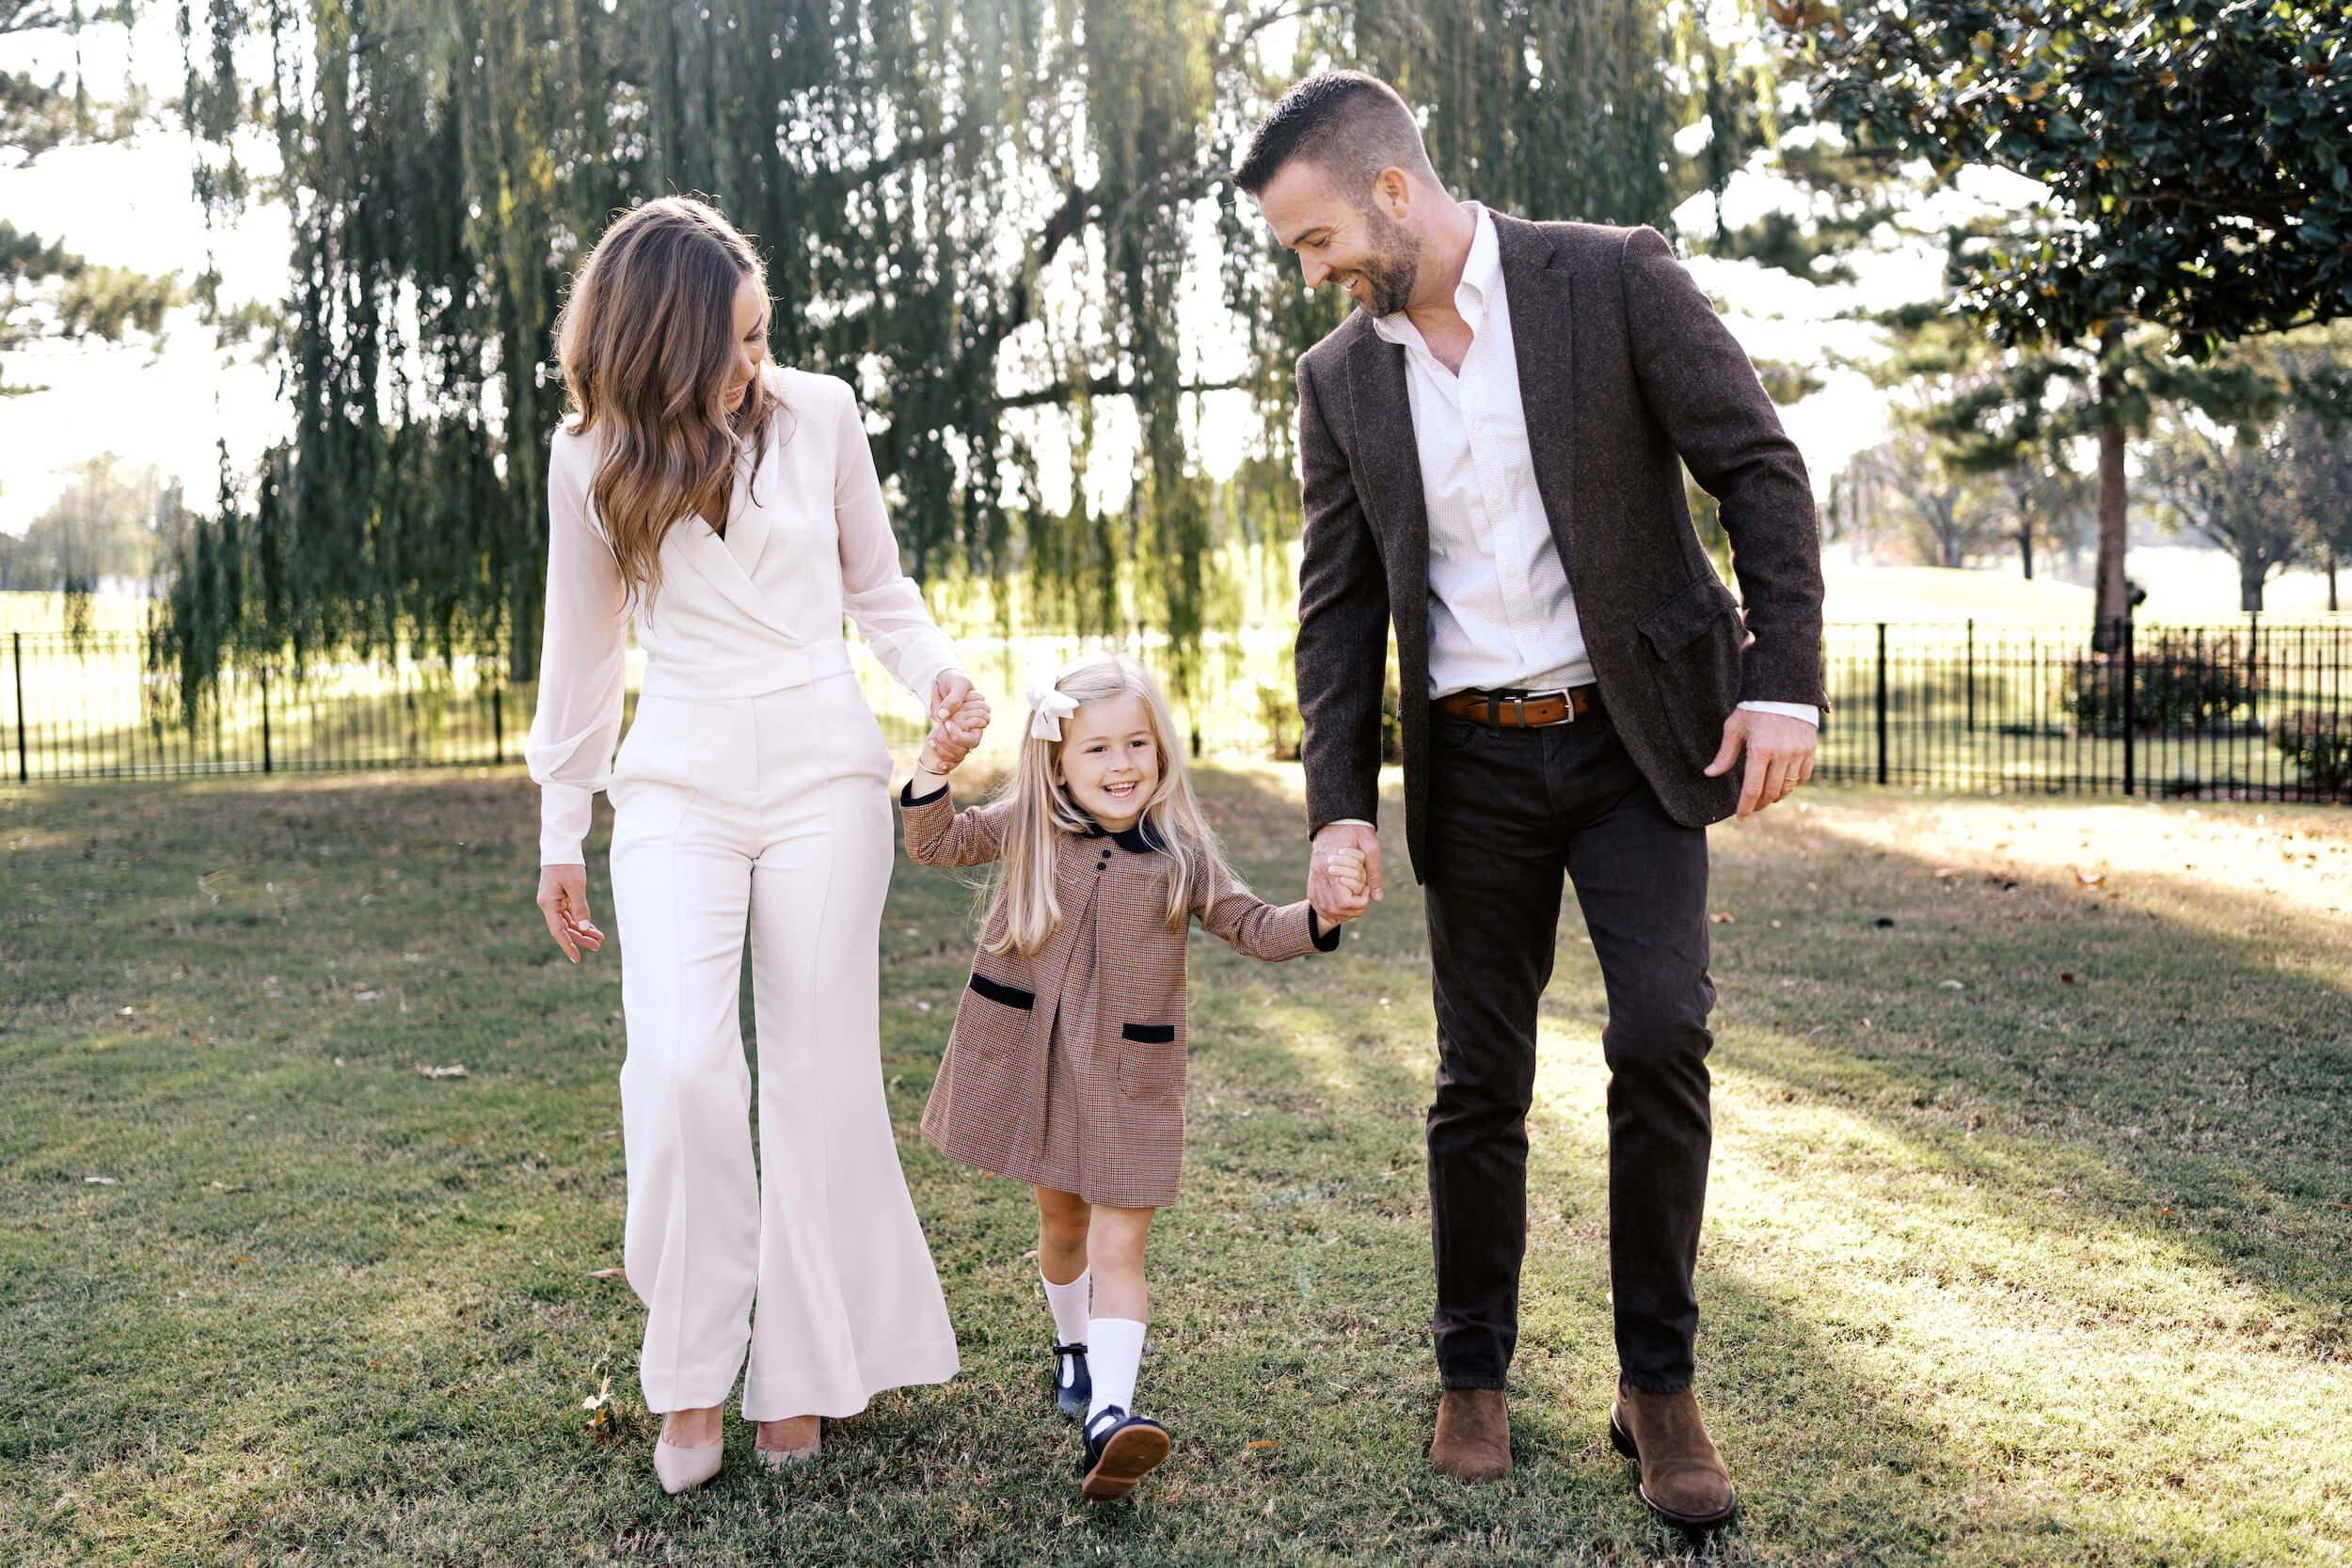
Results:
x,y
1148,1034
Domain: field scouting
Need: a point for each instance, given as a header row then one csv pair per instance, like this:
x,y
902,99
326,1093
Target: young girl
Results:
x,y
1066,1065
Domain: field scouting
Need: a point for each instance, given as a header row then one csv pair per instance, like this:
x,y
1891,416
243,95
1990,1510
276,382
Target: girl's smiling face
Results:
x,y
1111,760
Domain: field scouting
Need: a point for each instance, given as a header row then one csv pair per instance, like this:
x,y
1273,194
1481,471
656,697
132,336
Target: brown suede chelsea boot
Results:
x,y
1473,1440
1683,1477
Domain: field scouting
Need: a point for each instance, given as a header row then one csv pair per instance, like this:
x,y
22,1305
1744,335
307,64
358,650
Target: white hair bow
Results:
x,y
1048,706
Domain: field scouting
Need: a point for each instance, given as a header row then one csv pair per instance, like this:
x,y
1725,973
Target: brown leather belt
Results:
x,y
1513,710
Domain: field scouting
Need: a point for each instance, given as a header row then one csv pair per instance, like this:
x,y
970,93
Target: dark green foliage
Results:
x,y
2198,152
2180,682
2320,743
980,215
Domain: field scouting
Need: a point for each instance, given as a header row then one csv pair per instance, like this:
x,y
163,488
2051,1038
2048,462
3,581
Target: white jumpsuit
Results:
x,y
753,785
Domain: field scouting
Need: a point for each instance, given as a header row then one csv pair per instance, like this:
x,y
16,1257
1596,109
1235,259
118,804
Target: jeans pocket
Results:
x,y
1449,737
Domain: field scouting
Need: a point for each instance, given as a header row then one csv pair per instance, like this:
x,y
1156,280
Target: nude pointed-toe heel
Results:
x,y
776,1459
683,1469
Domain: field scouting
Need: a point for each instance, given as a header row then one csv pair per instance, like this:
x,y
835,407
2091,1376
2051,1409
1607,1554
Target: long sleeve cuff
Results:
x,y
1326,938
908,798
1805,711
565,813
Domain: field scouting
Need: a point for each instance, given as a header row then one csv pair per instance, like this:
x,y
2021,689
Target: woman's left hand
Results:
x,y
959,709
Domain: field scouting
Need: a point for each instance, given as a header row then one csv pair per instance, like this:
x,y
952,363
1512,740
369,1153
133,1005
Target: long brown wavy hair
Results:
x,y
646,341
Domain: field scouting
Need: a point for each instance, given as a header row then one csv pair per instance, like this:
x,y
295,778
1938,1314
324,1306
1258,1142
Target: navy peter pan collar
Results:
x,y
1139,839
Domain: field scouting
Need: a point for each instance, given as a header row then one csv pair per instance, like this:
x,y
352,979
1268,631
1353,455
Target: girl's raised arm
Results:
x,y
938,834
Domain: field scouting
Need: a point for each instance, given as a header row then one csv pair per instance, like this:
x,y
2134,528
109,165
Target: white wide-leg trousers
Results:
x,y
789,828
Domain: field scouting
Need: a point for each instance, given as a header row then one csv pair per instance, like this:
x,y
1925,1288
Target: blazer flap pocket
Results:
x,y
1683,619
1148,1034
1012,996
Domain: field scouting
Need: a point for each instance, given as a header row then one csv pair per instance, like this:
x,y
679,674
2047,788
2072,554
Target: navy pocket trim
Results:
x,y
1011,996
1148,1034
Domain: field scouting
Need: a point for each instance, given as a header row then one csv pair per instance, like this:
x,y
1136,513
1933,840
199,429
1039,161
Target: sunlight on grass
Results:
x,y
2027,1242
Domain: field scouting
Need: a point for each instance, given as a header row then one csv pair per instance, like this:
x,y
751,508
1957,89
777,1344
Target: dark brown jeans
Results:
x,y
1510,812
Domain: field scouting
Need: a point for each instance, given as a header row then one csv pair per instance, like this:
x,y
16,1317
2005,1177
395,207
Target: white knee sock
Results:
x,y
1068,1303
1114,1353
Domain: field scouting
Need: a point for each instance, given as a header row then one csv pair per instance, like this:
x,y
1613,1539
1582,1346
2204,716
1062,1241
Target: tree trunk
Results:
x,y
2249,585
2331,582
2024,547
2113,601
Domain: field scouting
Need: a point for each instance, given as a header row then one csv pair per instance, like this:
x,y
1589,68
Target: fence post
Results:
x,y
24,769
267,762
498,720
1971,675
2131,711
1881,702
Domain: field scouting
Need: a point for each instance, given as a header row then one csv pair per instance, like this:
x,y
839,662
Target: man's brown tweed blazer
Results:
x,y
1626,373
1066,1065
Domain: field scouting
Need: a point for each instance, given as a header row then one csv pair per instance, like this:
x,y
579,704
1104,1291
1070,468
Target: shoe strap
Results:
x,y
1107,1419
1070,1350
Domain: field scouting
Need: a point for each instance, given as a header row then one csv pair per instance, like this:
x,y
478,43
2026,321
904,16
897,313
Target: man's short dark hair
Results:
x,y
1347,124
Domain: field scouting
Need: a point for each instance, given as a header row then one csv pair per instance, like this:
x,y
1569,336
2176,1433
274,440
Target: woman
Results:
x,y
731,508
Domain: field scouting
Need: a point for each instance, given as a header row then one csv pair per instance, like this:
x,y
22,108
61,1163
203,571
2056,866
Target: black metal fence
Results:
x,y
2248,712
90,708
2245,712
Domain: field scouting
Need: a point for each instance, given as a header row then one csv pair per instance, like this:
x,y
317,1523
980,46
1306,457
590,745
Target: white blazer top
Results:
x,y
758,610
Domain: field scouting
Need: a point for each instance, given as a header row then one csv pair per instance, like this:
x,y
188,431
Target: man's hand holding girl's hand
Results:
x,y
1346,873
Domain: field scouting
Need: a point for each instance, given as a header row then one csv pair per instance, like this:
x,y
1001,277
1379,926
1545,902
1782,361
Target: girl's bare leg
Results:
x,y
1061,1235
1115,1246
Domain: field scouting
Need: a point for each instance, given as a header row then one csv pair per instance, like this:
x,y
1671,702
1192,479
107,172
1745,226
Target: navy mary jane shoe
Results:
x,y
1073,1386
1121,1449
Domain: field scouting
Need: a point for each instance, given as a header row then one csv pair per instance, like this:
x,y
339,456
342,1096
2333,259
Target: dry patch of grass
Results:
x,y
2027,1241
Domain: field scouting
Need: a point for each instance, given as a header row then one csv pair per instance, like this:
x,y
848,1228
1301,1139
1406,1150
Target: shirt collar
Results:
x,y
1139,838
1482,275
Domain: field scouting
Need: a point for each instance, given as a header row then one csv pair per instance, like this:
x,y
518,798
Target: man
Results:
x,y
1491,448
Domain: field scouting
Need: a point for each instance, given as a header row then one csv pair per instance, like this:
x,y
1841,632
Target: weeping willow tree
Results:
x,y
994,218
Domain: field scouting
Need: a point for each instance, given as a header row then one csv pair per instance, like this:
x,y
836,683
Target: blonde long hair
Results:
x,y
646,339
1041,812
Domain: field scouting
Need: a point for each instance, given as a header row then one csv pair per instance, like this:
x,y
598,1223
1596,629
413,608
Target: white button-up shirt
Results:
x,y
1501,614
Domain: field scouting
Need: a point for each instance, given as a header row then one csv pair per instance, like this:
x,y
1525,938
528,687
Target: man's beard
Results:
x,y
1391,267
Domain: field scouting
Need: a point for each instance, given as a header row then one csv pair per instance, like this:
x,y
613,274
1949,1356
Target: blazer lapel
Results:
x,y
749,524
711,560
1543,342
1387,463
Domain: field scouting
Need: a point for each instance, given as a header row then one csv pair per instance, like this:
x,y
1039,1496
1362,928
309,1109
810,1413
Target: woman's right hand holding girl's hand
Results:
x,y
563,900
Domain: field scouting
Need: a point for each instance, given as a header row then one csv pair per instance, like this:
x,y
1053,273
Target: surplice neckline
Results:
x,y
745,535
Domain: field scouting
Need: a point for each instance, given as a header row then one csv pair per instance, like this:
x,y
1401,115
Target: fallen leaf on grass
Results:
x,y
455,1070
1950,985
363,996
1263,1443
224,1187
922,1006
1948,871
1722,919
2090,879
608,1273
2067,976
241,1257
99,1181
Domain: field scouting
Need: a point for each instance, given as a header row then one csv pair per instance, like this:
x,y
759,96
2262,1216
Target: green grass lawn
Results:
x,y
2030,1240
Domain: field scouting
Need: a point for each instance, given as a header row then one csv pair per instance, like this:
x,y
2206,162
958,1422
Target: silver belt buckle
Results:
x,y
1567,703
